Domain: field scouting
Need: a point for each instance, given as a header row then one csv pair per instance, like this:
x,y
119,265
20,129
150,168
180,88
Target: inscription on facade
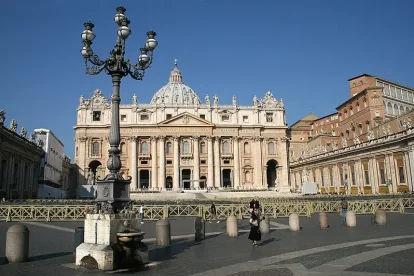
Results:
x,y
169,130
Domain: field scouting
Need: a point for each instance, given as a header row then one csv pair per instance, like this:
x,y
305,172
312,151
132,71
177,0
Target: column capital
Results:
x,y
217,138
84,139
284,139
132,138
257,138
161,137
195,137
176,138
235,138
153,138
209,138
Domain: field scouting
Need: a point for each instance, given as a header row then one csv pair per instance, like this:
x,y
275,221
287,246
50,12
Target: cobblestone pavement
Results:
x,y
365,250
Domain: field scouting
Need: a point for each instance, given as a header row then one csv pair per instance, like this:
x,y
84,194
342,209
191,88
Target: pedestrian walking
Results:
x,y
251,206
213,212
344,206
255,235
141,214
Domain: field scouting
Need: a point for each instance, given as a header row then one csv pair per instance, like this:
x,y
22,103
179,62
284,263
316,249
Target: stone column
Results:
x,y
161,179
284,178
236,162
217,165
196,162
176,180
134,183
410,168
154,162
393,173
210,164
258,163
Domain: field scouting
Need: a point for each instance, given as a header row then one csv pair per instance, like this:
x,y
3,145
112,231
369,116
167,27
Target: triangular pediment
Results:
x,y
185,119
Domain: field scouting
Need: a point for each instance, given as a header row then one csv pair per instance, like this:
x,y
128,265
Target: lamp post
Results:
x,y
113,190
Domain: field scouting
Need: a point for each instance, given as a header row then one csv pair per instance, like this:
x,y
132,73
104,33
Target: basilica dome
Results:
x,y
175,91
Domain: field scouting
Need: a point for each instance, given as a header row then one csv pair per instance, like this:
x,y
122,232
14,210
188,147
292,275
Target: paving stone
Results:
x,y
265,272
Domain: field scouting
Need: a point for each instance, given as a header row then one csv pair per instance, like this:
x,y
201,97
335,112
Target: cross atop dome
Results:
x,y
175,61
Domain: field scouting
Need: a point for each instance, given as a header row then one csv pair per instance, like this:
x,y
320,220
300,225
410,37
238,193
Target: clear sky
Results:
x,y
301,50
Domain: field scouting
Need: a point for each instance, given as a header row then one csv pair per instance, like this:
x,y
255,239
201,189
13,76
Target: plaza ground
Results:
x,y
368,249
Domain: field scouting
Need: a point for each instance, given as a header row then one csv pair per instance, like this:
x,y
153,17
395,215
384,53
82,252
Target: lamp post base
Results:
x,y
112,195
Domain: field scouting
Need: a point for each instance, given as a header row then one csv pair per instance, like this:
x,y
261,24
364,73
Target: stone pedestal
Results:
x,y
100,240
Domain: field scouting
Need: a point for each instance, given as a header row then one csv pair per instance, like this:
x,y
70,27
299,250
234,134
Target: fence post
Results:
x,y
402,209
165,213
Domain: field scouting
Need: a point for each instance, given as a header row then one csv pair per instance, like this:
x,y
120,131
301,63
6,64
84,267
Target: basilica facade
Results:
x,y
177,141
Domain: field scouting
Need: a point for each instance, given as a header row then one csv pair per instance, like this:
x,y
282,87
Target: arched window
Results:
x,y
401,110
246,148
365,102
122,148
395,109
76,150
202,148
389,109
357,106
95,148
351,110
248,177
144,147
226,148
186,147
169,148
407,109
271,148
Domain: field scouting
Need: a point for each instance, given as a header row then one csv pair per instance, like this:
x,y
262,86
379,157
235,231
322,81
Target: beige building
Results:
x,y
364,147
177,141
20,160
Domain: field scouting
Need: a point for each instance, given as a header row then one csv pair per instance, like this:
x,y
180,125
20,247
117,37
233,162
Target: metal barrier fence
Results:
x,y
156,212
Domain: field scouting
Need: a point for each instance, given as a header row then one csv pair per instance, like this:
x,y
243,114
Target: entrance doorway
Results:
x,y
169,182
186,175
271,173
94,167
144,179
227,178
203,182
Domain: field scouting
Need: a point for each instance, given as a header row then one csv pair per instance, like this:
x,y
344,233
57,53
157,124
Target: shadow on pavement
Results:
x,y
40,257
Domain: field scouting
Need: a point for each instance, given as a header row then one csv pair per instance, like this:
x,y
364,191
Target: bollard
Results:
x,y
265,225
323,220
79,236
380,217
200,229
17,244
350,219
163,233
294,222
232,227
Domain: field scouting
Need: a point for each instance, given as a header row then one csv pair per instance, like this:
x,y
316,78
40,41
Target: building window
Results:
x,y
226,147
202,116
382,175
123,118
246,148
122,148
366,178
203,162
169,162
225,118
169,116
202,148
401,110
226,162
96,116
144,162
271,148
144,117
401,175
95,148
269,117
144,147
169,148
395,109
245,119
353,179
3,173
186,147
76,151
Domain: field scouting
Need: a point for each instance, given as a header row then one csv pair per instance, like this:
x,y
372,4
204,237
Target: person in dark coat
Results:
x,y
255,235
251,206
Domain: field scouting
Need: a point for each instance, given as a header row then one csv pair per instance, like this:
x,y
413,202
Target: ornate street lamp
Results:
x,y
113,191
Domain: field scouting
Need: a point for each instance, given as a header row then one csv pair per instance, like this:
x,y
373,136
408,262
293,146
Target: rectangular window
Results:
x,y
169,116
353,179
144,162
366,178
225,118
3,173
96,116
169,162
245,119
202,116
269,117
401,175
226,162
203,162
382,175
144,117
123,118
